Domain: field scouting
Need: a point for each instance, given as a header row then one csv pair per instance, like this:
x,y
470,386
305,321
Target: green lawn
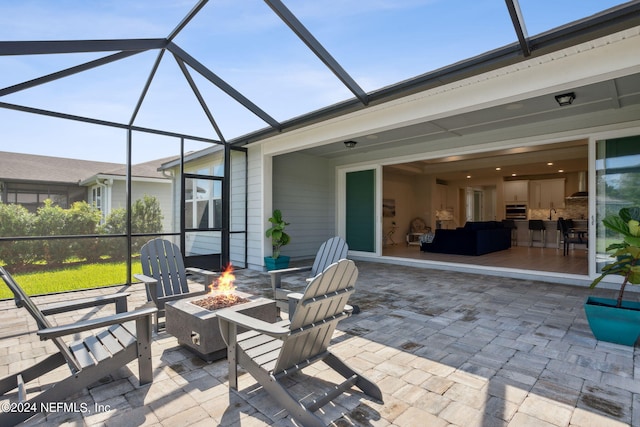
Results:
x,y
78,276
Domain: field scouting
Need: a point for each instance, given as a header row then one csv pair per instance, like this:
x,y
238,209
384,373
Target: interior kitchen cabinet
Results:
x,y
547,193
516,191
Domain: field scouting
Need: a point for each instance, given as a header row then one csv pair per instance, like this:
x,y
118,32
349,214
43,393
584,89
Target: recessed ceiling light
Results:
x,y
550,164
498,169
468,176
560,170
565,99
513,174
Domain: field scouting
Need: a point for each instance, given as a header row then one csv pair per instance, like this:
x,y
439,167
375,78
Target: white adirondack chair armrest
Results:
x,y
207,274
80,303
87,325
151,285
276,275
276,330
145,279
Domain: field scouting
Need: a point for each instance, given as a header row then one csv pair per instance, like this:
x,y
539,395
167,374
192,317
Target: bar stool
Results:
x,y
511,224
537,225
560,236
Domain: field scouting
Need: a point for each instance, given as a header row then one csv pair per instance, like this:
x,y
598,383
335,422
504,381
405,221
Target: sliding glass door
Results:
x,y
617,186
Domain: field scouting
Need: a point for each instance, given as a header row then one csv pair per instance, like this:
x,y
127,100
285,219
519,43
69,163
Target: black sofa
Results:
x,y
475,238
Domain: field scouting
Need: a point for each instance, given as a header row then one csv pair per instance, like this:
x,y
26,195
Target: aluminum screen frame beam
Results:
x,y
67,72
316,47
221,84
199,96
518,24
8,48
108,123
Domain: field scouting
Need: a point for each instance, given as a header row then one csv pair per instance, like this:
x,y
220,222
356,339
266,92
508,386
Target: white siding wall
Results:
x,y
303,189
238,208
259,201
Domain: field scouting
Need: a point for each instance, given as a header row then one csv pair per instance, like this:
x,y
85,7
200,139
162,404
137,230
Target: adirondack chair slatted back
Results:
x,y
317,314
330,251
23,300
162,260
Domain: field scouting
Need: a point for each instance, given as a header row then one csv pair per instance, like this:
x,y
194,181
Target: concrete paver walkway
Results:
x,y
446,348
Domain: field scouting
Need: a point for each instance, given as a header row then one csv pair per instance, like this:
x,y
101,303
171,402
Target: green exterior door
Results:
x,y
361,210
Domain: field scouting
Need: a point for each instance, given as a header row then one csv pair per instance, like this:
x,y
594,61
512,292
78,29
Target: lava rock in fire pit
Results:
x,y
217,302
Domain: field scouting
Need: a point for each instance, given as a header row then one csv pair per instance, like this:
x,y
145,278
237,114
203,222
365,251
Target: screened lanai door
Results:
x,y
214,212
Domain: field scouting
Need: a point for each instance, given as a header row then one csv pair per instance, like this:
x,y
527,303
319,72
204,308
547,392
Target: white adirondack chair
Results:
x,y
165,276
122,338
271,352
330,251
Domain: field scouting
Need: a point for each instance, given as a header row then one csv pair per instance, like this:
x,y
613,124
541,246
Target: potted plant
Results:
x,y
278,239
616,320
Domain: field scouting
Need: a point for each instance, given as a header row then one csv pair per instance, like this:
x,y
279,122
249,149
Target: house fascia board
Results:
x,y
96,179
191,157
598,60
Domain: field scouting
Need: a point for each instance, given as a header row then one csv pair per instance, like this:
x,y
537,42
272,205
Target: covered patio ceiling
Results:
x,y
298,64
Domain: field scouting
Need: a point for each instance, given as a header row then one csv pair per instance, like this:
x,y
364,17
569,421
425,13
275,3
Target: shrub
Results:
x,y
51,220
80,219
16,221
146,217
83,218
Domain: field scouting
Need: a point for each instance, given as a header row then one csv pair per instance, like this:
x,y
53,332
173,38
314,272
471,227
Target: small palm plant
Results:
x,y
278,237
627,252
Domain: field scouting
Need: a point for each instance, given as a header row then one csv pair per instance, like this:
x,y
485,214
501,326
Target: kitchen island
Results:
x,y
552,238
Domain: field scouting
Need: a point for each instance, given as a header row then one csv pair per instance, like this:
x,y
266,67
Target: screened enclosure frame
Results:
x,y
618,18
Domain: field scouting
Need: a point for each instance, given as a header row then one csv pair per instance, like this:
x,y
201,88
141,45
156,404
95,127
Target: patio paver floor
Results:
x,y
446,348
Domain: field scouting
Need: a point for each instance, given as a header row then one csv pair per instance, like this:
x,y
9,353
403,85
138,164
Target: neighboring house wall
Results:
x,y
161,191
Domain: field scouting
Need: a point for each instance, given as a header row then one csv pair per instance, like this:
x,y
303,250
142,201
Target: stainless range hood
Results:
x,y
582,187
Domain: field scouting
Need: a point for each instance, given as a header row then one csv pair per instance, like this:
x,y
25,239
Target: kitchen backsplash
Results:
x,y
574,209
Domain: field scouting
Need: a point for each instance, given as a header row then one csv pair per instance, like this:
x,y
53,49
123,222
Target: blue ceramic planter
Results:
x,y
276,264
616,325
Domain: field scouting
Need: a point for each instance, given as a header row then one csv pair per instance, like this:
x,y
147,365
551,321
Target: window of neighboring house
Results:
x,y
32,197
96,199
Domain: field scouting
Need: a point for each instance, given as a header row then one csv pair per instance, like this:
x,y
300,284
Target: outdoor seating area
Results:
x,y
445,349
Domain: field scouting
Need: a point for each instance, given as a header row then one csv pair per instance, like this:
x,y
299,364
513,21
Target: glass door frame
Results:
x,y
595,222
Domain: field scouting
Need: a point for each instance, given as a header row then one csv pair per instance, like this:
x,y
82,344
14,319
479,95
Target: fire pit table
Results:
x,y
195,325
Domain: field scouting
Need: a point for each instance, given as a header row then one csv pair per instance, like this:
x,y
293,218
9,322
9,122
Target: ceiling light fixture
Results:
x,y
565,99
350,144
498,168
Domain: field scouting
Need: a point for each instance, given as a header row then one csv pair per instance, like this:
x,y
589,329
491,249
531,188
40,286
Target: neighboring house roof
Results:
x,y
36,168
150,169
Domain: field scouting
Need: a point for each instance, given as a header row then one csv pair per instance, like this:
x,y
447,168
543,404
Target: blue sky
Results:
x,y
378,42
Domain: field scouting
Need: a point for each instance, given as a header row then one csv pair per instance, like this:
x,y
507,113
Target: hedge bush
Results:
x,y
80,219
